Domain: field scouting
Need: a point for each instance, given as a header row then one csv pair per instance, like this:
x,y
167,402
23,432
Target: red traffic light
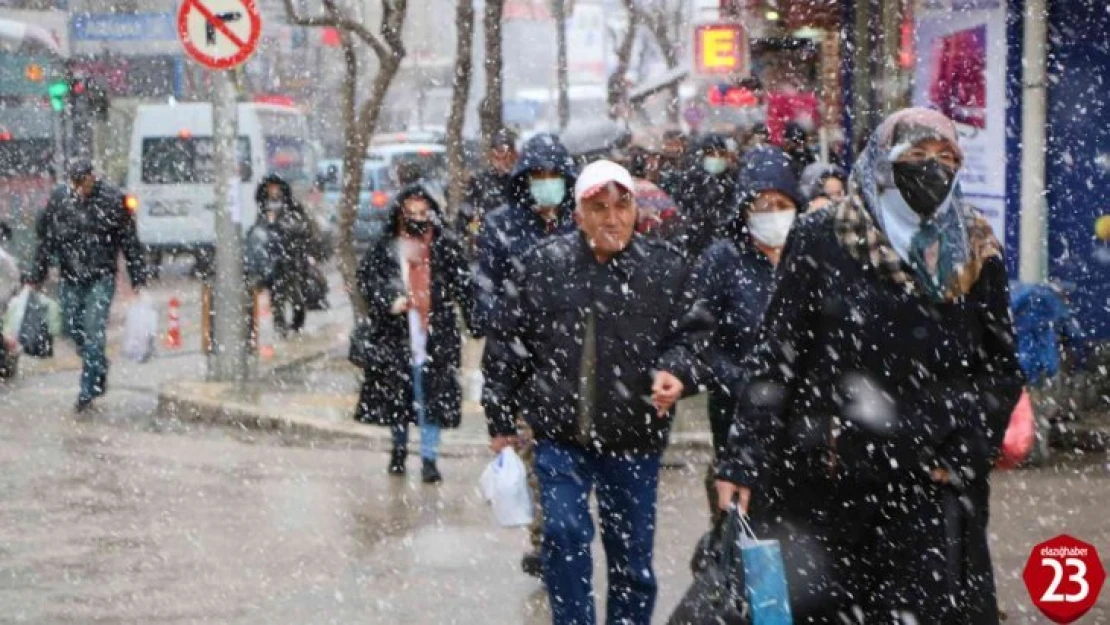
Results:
x,y
78,87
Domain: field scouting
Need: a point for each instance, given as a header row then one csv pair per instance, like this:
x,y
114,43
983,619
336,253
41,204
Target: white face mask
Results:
x,y
771,229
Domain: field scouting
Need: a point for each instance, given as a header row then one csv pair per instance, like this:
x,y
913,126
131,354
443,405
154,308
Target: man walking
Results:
x,y
83,229
598,339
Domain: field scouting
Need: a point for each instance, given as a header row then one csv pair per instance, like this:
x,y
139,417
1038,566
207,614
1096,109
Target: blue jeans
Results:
x,y
85,310
626,490
429,432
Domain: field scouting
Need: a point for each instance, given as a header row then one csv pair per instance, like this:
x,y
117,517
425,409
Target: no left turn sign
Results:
x,y
219,34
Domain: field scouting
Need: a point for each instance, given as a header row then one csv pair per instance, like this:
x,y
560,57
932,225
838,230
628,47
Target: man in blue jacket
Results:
x,y
540,205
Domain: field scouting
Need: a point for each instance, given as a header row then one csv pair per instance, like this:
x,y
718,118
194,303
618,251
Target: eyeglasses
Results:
x,y
946,157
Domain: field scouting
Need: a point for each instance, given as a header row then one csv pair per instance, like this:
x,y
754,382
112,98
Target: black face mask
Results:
x,y
924,185
417,228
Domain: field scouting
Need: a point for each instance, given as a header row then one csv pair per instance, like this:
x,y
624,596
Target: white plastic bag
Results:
x,y
13,316
141,330
504,484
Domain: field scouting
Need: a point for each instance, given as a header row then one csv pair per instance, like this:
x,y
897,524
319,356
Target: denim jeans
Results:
x,y
85,310
429,432
626,492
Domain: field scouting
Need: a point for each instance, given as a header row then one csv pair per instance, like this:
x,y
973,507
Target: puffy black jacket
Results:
x,y
84,236
706,201
645,318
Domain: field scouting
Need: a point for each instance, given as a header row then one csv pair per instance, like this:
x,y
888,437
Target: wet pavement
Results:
x,y
125,517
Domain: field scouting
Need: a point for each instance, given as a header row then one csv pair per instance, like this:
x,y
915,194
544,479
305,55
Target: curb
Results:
x,y
188,402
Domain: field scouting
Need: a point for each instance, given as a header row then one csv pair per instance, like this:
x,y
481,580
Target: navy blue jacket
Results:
x,y
510,231
735,281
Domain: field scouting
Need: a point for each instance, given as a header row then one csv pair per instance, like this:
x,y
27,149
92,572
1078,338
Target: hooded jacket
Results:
x,y
84,236
515,228
292,238
706,201
387,390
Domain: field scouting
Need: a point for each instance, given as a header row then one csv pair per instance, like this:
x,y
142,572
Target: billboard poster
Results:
x,y
960,70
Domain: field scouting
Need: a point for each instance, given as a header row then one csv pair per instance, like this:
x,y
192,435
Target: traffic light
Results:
x,y
84,96
59,91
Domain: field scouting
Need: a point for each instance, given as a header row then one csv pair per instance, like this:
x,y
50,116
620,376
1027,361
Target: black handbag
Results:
x,y
34,334
717,595
316,290
361,350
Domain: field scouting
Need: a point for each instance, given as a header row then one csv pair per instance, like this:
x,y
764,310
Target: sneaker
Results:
x,y
430,474
397,462
532,564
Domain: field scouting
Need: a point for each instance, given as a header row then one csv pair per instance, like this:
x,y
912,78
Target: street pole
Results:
x,y
561,64
1033,256
228,361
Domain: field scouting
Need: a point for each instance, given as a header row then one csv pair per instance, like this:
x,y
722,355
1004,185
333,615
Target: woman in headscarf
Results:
x,y
736,276
879,394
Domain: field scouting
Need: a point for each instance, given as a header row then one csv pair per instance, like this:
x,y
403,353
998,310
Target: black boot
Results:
x,y
430,474
532,564
397,462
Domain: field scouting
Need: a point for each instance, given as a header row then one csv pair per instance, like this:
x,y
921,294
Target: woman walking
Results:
x,y
412,280
880,392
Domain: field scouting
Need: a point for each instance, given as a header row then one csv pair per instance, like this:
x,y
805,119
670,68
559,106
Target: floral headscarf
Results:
x,y
960,240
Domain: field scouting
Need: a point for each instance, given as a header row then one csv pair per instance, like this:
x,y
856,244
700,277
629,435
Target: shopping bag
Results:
x,y
717,595
140,330
764,578
13,316
1021,434
36,330
504,484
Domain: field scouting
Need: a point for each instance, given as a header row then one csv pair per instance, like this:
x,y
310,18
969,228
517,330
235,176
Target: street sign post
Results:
x,y
221,35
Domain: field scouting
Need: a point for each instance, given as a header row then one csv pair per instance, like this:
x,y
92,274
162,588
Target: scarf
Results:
x,y
416,253
944,255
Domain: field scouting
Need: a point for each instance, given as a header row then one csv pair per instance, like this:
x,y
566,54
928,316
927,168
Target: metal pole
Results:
x,y
228,362
1033,266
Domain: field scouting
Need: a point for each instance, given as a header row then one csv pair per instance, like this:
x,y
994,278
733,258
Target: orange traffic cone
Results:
x,y
173,330
265,327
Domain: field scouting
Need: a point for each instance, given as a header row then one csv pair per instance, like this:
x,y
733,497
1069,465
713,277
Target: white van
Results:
x,y
171,170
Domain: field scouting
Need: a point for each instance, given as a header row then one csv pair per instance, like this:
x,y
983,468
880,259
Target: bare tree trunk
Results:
x,y
352,166
561,67
492,103
464,49
618,83
359,124
658,23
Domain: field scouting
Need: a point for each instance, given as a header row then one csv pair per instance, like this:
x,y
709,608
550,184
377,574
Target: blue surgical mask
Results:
x,y
715,165
548,191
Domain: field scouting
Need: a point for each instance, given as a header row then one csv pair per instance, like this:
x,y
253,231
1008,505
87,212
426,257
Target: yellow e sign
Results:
x,y
720,48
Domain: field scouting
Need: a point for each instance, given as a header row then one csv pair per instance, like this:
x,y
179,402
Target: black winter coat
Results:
x,y
85,236
646,318
857,390
707,202
387,391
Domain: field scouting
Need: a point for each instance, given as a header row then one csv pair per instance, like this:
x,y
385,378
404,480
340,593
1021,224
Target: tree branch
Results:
x,y
334,18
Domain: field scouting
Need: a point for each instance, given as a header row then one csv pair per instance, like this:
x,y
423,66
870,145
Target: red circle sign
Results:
x,y
1064,577
219,34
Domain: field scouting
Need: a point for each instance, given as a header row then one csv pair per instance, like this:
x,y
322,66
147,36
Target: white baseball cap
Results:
x,y
597,175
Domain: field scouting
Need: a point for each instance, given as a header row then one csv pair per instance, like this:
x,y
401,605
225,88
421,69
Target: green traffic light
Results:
x,y
58,90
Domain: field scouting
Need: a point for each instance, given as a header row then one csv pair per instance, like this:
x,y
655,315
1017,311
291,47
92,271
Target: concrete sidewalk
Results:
x,y
315,396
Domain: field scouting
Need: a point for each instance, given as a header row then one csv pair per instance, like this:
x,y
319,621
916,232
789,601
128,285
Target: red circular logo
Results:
x,y
1064,577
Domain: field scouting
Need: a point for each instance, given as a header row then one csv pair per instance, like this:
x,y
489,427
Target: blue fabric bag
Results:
x,y
764,578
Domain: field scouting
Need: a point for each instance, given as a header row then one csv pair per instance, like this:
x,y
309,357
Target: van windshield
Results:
x,y
286,157
186,160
